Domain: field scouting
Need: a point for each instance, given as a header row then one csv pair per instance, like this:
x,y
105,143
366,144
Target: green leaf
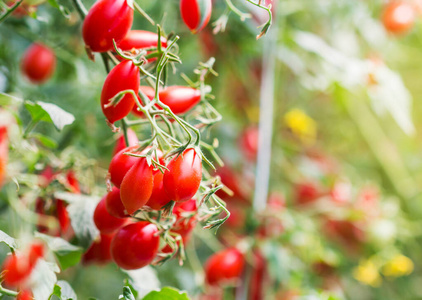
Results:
x,y
64,10
45,140
127,294
66,291
6,99
8,240
67,254
43,279
81,212
167,293
48,112
132,288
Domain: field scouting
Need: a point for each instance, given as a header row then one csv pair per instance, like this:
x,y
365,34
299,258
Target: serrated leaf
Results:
x,y
43,279
48,112
143,280
67,254
81,215
8,240
167,293
45,140
64,10
127,294
66,291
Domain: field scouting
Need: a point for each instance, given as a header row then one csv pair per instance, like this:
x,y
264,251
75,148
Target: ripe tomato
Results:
x,y
182,180
159,197
18,266
24,295
249,142
124,76
224,266
120,165
136,187
4,153
398,16
73,182
114,204
346,232
106,20
150,93
62,216
38,63
306,192
135,245
99,251
180,99
196,13
258,278
121,143
231,180
140,39
106,223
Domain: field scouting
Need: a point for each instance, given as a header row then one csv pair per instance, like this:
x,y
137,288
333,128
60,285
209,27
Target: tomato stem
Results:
x,y
4,291
10,10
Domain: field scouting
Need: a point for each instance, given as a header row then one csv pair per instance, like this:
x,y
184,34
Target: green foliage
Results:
x,y
167,293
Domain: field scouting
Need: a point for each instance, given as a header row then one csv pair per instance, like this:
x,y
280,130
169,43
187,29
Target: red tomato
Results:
x,y
231,180
120,165
24,295
249,142
180,99
159,197
182,180
24,9
150,93
106,20
276,201
18,266
124,76
224,266
99,251
73,182
114,204
62,215
105,222
140,39
4,153
306,192
398,16
38,63
347,232
136,187
121,143
135,245
196,13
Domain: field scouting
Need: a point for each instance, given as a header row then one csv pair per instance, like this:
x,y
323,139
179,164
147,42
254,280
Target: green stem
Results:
x,y
124,127
80,8
10,10
7,292
143,13
29,128
243,16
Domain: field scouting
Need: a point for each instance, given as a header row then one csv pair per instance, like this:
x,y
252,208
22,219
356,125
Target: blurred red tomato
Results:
x,y
4,153
398,16
306,192
38,63
248,142
224,267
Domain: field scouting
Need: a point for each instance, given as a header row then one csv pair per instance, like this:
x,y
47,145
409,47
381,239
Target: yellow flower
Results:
x,y
303,126
367,273
399,265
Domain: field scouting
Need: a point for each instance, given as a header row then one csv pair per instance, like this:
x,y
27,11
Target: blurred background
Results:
x,y
342,218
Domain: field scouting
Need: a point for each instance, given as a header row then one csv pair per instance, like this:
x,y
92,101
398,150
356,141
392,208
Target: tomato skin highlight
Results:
x,y
226,265
18,266
124,76
398,17
121,143
135,245
106,223
38,63
140,39
182,180
99,251
196,13
114,204
136,187
180,99
106,20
